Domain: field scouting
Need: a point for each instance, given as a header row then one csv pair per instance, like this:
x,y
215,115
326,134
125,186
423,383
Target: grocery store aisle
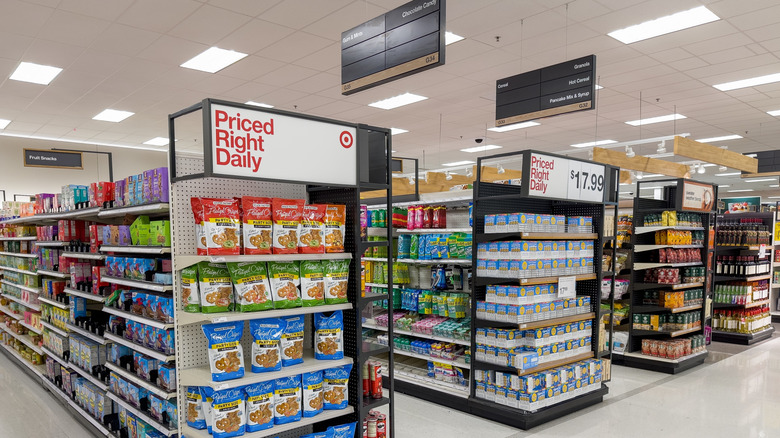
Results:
x,y
28,410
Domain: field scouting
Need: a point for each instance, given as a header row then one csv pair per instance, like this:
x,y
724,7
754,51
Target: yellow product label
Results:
x,y
270,342
338,381
223,220
228,405
224,345
313,277
258,222
328,331
313,387
286,276
288,391
252,279
260,398
217,280
287,223
292,335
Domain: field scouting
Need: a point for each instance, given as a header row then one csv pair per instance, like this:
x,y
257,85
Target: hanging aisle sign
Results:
x,y
551,176
49,158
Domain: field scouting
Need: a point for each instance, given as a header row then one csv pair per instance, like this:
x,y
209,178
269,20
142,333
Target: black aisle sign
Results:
x,y
404,41
561,88
49,158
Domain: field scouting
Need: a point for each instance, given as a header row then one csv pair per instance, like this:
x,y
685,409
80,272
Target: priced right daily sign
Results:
x,y
557,177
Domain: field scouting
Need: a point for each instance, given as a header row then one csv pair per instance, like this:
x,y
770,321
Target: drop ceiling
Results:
x,y
125,55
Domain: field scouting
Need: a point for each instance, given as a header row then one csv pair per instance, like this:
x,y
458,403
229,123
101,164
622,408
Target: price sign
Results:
x,y
586,181
567,287
583,181
762,251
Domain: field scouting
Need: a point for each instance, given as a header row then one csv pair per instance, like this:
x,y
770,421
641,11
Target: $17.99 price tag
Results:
x,y
586,181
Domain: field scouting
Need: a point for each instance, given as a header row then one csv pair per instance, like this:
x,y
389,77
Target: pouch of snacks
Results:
x,y
335,386
190,298
292,341
335,224
259,406
266,348
216,287
253,291
329,336
207,393
287,219
229,413
257,225
336,280
343,430
285,281
222,223
312,393
195,417
287,399
312,229
312,283
326,434
226,356
200,231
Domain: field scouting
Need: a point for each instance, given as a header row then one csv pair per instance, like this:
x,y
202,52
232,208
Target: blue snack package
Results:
x,y
327,434
329,336
228,413
287,399
292,341
344,430
226,356
266,350
195,417
259,406
312,393
207,393
335,387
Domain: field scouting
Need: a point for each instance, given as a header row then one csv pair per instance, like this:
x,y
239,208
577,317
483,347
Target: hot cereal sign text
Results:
x,y
251,143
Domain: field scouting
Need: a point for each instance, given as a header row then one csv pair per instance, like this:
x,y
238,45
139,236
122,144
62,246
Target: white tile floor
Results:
x,y
738,396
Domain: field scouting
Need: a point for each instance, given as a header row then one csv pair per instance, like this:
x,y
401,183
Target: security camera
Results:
x,y
478,140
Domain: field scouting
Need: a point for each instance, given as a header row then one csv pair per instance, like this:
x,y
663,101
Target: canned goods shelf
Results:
x,y
38,370
644,309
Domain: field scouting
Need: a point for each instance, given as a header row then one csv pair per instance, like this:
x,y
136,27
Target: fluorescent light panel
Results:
x,y
35,73
260,104
729,174
774,113
659,119
4,123
751,82
662,26
83,142
723,138
739,190
213,60
396,131
759,180
599,87
653,187
486,147
157,141
593,143
450,38
457,163
397,101
512,127
110,115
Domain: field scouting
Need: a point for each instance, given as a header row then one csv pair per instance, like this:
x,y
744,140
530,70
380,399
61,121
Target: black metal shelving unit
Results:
x,y
645,257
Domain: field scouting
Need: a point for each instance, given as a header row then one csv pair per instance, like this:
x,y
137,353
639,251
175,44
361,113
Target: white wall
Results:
x,y
17,179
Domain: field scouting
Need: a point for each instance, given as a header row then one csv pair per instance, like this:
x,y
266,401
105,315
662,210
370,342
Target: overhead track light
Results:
x,y
630,152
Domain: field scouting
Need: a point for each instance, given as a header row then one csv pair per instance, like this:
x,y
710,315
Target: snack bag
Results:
x,y
208,413
200,231
312,229
335,225
312,283
226,356
259,406
216,287
335,387
257,225
292,341
266,350
327,434
329,336
312,393
253,291
190,298
285,281
195,417
336,280
287,400
343,431
229,413
287,219
222,223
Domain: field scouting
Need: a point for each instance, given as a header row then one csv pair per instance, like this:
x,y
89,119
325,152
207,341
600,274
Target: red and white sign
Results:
x,y
252,143
557,177
697,196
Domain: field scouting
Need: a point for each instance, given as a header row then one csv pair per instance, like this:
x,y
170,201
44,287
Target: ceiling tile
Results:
x,y
251,8
331,26
158,16
209,24
251,68
298,14
69,28
125,40
22,18
304,43
13,46
96,8
254,36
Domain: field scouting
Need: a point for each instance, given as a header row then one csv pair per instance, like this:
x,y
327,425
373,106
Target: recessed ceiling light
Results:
x,y
450,38
110,115
658,119
457,163
593,143
751,82
661,26
773,197
714,139
396,101
261,105
82,142
723,186
396,131
157,141
760,180
213,60
35,73
653,175
774,185
739,190
751,155
4,123
512,127
486,147
774,113
729,174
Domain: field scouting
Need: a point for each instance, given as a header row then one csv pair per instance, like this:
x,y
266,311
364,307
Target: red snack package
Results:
x,y
222,224
439,219
286,214
257,225
427,218
200,232
312,229
335,227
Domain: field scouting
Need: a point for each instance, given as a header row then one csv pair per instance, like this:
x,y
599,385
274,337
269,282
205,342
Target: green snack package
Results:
x,y
414,246
216,288
190,298
253,291
285,283
312,283
336,280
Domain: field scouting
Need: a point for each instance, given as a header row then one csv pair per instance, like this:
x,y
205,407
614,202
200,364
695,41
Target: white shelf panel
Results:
x,y
53,273
51,243
375,259
642,248
21,271
663,359
53,388
24,339
54,303
137,249
139,348
160,207
88,376
9,239
278,429
83,255
182,261
30,328
454,198
184,318
457,363
146,285
201,376
86,295
35,307
434,230
37,369
133,378
644,230
462,262
56,357
137,318
142,415
396,331
55,329
13,315
18,254
384,285
447,388
640,265
34,290
83,333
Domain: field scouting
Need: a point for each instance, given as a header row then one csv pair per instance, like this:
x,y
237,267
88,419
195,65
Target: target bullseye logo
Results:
x,y
346,139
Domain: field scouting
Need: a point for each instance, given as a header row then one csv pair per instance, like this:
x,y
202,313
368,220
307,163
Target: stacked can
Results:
x,y
375,425
372,379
